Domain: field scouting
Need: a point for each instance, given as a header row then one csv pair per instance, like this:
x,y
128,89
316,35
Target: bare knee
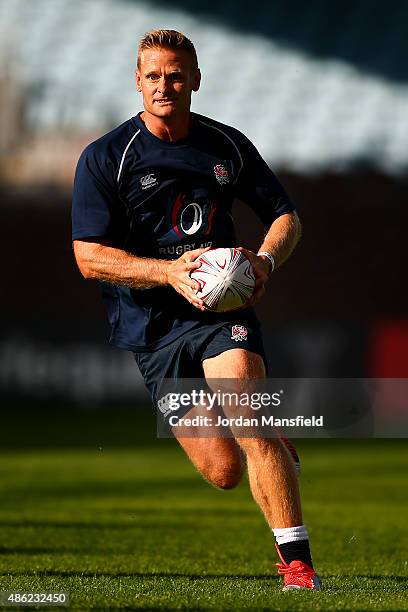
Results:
x,y
225,475
219,460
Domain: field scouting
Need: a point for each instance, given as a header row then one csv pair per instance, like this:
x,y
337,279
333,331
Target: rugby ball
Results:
x,y
226,279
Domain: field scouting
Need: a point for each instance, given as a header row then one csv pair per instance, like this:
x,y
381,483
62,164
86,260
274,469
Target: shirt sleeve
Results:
x,y
94,196
259,188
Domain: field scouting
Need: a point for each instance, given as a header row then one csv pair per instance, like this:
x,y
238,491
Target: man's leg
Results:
x,y
219,460
271,470
272,476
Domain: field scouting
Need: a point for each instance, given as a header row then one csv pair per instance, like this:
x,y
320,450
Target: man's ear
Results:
x,y
138,80
197,80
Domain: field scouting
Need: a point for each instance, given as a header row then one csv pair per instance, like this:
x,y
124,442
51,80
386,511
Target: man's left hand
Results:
x,y
261,266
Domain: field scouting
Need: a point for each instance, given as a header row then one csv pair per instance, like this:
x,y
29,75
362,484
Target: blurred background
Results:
x,y
320,87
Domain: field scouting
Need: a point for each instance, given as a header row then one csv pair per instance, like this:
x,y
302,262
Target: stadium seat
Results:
x,y
307,111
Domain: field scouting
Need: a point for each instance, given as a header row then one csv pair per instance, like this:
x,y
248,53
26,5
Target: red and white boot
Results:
x,y
297,575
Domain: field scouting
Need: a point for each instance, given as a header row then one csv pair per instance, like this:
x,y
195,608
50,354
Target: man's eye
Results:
x,y
152,77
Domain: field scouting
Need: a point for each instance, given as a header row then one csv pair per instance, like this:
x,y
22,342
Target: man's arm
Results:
x,y
280,240
98,260
282,237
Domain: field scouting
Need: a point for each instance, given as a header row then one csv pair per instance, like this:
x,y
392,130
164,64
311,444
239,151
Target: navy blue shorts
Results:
x,y
183,358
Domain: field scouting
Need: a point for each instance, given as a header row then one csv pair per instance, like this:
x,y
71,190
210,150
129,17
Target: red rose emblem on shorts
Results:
x,y
239,333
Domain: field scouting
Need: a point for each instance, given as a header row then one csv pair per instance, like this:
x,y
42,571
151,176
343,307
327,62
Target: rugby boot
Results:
x,y
297,575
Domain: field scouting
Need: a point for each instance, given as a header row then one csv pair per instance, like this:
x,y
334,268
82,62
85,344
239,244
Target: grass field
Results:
x,y
134,527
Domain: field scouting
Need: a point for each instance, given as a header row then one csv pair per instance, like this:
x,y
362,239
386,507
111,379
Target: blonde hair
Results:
x,y
168,39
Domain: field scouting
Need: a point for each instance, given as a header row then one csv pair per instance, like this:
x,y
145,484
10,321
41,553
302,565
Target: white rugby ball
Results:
x,y
226,279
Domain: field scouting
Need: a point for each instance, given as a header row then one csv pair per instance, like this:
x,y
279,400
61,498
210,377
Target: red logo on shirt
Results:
x,y
221,174
189,218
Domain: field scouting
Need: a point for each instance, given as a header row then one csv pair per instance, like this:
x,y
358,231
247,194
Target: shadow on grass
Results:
x,y
88,489
143,575
19,550
58,425
131,515
201,577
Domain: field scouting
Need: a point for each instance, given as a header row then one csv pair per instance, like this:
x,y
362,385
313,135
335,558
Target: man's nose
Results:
x,y
163,85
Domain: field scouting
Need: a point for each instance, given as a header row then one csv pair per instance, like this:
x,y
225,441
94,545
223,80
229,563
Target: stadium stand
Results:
x,y
321,87
327,82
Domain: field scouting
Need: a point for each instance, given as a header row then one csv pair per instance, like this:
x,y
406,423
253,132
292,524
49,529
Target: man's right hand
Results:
x,y
178,276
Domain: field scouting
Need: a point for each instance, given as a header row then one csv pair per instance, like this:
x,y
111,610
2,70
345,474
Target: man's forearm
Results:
x,y
282,237
105,263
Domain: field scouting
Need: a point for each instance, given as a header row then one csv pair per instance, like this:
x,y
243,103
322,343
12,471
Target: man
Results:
x,y
149,198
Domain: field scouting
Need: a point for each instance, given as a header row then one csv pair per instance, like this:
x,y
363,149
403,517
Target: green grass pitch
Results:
x,y
94,505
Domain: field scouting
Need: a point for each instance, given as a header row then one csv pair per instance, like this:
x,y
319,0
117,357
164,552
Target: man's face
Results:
x,y
166,79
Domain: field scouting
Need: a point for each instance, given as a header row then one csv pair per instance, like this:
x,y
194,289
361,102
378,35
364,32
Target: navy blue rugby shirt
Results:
x,y
157,199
